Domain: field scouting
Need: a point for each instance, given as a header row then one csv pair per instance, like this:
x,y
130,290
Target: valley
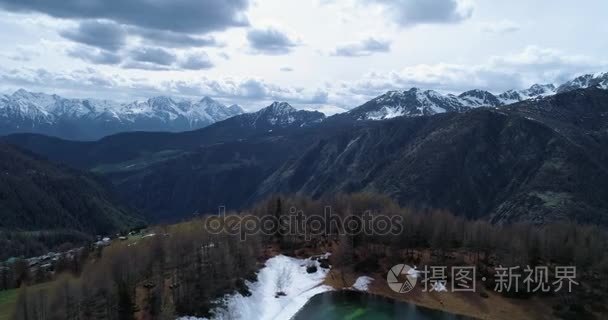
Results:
x,y
463,180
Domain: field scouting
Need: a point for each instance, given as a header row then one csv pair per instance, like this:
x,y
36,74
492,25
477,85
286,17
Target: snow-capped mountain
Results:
x,y
194,114
279,115
84,119
535,91
479,98
89,119
418,102
413,102
599,80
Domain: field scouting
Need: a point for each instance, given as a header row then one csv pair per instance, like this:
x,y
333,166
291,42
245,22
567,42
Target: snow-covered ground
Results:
x,y
281,274
362,283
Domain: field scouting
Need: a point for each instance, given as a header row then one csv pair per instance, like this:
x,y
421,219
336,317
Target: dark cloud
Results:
x,y
197,61
364,48
270,41
106,35
157,56
187,16
412,12
95,56
174,39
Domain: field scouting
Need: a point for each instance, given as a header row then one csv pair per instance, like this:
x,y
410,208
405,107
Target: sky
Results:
x,y
327,55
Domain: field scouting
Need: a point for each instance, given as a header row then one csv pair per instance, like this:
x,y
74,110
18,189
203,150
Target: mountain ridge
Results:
x,y
417,102
540,160
91,119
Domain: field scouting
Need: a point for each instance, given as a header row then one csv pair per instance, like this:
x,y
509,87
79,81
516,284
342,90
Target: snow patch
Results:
x,y
281,274
362,283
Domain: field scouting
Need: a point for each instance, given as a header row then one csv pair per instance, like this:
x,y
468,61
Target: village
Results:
x,y
17,270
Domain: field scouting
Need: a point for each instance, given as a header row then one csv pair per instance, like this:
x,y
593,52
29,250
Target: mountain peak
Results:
x,y
21,92
208,100
598,80
160,100
217,110
280,107
541,90
236,109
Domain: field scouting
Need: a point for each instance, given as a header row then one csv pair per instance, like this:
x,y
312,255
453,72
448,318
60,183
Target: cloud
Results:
x,y
92,83
101,34
196,61
407,13
365,47
247,90
515,70
286,69
500,27
22,53
184,16
499,73
327,109
95,56
76,82
157,56
174,39
144,66
270,41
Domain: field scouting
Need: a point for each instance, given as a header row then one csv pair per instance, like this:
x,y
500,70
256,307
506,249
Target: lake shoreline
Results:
x,y
352,303
469,304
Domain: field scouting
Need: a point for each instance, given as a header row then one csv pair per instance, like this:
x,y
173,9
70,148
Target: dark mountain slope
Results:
x,y
477,164
581,116
36,195
485,162
540,160
143,146
225,174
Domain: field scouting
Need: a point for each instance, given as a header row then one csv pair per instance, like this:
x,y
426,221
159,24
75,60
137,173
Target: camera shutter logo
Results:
x,y
402,278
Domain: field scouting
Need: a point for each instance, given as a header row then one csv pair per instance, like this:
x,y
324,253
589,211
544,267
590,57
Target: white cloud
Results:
x,y
449,45
499,73
500,27
365,47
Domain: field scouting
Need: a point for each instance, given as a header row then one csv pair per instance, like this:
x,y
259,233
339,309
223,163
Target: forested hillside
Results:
x,y
538,161
37,195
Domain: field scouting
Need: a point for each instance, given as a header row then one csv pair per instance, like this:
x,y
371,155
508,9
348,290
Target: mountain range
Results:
x,y
542,159
539,160
418,102
89,119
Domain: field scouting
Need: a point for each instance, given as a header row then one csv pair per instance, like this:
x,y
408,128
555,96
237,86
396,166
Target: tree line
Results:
x,y
184,269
